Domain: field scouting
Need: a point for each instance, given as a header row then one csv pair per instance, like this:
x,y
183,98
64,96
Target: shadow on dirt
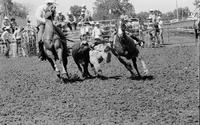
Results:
x,y
107,78
150,77
76,78
72,79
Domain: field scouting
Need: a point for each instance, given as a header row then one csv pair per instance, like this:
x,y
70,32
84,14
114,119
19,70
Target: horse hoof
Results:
x,y
133,75
58,75
146,72
64,75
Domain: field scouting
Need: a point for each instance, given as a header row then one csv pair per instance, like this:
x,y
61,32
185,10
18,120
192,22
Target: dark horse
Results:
x,y
54,48
124,46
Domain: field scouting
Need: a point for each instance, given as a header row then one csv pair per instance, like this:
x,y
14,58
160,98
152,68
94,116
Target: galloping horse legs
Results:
x,y
127,65
60,55
65,61
146,71
52,62
134,60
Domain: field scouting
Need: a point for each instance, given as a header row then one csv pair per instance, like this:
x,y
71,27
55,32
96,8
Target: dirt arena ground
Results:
x,y
31,95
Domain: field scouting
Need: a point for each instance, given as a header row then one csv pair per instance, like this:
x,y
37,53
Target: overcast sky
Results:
x,y
140,5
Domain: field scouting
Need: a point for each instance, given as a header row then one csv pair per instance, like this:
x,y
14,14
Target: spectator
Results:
x,y
68,20
17,37
13,25
97,34
152,16
160,26
85,14
73,21
60,20
7,39
5,23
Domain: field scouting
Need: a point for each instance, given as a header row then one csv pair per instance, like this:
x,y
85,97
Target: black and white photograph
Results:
x,y
99,62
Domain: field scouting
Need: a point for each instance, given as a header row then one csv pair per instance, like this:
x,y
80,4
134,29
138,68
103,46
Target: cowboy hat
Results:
x,y
12,19
97,23
7,27
87,22
6,18
151,10
92,22
50,1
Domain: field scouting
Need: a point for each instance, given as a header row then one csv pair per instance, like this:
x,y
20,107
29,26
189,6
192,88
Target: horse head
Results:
x,y
50,12
120,28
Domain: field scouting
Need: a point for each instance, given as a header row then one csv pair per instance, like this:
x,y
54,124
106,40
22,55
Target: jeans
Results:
x,y
7,48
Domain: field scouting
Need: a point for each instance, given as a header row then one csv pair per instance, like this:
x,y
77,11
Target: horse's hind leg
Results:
x,y
135,65
65,62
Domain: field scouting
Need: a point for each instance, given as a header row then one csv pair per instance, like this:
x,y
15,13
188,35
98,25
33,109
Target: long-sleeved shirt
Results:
x,y
160,24
17,34
40,12
152,17
13,24
60,18
6,36
96,33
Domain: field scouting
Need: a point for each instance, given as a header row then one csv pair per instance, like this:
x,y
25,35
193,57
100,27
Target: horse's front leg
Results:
x,y
60,57
134,59
126,64
52,62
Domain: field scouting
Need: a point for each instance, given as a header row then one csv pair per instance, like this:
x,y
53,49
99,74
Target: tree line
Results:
x,y
112,9
103,10
10,8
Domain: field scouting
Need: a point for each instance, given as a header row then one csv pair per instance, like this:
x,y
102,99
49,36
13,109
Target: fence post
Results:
x,y
167,34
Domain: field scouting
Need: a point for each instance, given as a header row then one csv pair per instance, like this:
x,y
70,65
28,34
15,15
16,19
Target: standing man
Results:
x,y
60,20
74,21
97,34
160,26
152,16
69,21
7,39
5,23
85,13
17,37
40,12
13,25
197,22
